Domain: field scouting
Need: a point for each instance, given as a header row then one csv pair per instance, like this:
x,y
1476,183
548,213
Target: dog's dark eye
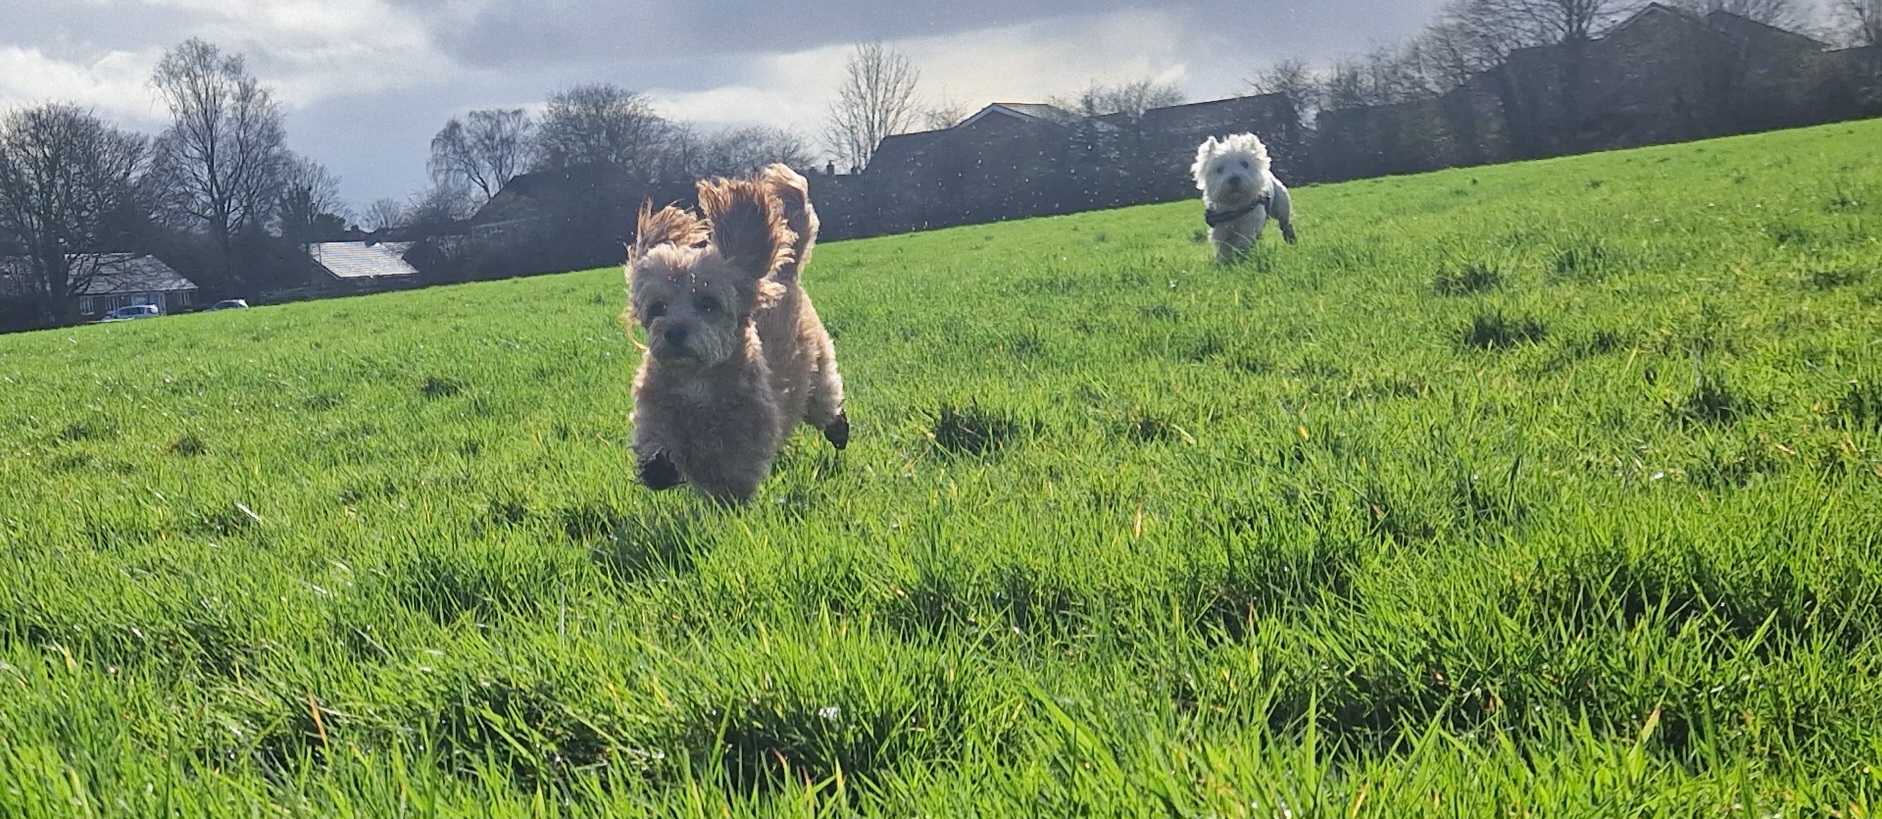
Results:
x,y
656,310
706,304
1244,164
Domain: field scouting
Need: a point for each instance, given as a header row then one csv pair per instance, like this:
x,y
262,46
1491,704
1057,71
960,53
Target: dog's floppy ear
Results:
x,y
1203,152
667,226
793,193
747,224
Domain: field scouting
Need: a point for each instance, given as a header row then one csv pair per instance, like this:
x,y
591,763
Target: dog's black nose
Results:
x,y
675,335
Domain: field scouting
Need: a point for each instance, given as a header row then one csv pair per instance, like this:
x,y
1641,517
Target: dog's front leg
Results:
x,y
657,471
837,432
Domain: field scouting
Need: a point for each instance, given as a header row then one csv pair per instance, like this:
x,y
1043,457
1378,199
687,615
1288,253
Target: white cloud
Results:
x,y
303,50
115,83
1022,63
310,50
1031,62
788,91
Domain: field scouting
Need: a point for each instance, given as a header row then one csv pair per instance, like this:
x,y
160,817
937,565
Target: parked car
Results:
x,y
134,311
228,304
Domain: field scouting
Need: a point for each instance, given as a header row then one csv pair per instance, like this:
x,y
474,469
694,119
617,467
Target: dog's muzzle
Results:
x,y
682,348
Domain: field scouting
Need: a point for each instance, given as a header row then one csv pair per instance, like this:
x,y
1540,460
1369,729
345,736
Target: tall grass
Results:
x,y
1503,493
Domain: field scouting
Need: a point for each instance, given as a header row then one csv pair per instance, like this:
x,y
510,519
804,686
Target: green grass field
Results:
x,y
1540,490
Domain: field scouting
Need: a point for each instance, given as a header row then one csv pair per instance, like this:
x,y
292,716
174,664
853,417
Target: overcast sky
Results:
x,y
366,83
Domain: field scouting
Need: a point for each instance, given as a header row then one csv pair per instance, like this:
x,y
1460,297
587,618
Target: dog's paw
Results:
x,y
838,432
657,472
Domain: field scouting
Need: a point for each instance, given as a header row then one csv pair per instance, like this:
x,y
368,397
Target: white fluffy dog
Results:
x,y
1239,193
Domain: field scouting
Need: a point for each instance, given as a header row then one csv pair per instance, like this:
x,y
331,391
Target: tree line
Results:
x,y
218,194
218,186
1471,37
596,124
475,155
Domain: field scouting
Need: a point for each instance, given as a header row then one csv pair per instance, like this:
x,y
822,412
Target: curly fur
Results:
x,y
736,356
1240,193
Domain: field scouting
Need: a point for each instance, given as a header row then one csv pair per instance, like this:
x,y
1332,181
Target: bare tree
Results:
x,y
1345,86
1400,74
1482,34
1455,52
876,100
1785,14
601,123
485,150
1501,26
1131,99
1293,79
745,150
441,205
310,208
383,214
223,158
64,177
944,114
1384,76
733,152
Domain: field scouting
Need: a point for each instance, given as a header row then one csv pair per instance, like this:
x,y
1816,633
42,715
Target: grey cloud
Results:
x,y
513,32
79,31
511,52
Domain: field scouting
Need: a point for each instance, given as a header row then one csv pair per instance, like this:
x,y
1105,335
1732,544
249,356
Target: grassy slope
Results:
x,y
1546,488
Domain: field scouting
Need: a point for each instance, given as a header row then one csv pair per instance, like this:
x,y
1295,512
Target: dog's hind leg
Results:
x,y
1283,211
825,410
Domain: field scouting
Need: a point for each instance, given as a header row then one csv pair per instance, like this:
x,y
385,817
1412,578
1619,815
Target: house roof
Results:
x,y
362,260
1180,120
594,190
903,147
1654,10
1210,114
117,273
1024,111
1749,29
1724,22
132,273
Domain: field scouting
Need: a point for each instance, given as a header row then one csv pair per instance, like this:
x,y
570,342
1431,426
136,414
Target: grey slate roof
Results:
x,y
362,260
117,273
1028,111
129,273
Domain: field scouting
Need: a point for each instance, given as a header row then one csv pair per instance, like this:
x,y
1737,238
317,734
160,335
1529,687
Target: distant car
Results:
x,y
228,304
134,311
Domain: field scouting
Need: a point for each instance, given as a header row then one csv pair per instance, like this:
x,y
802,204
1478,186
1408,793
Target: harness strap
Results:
x,y
1216,218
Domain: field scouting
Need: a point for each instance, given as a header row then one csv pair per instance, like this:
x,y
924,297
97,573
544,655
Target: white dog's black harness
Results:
x,y
1217,218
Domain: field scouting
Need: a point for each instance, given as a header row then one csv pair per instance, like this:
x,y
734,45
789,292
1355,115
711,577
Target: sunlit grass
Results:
x,y
1504,493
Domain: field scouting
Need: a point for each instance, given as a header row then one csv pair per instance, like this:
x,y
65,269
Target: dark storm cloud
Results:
x,y
509,33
